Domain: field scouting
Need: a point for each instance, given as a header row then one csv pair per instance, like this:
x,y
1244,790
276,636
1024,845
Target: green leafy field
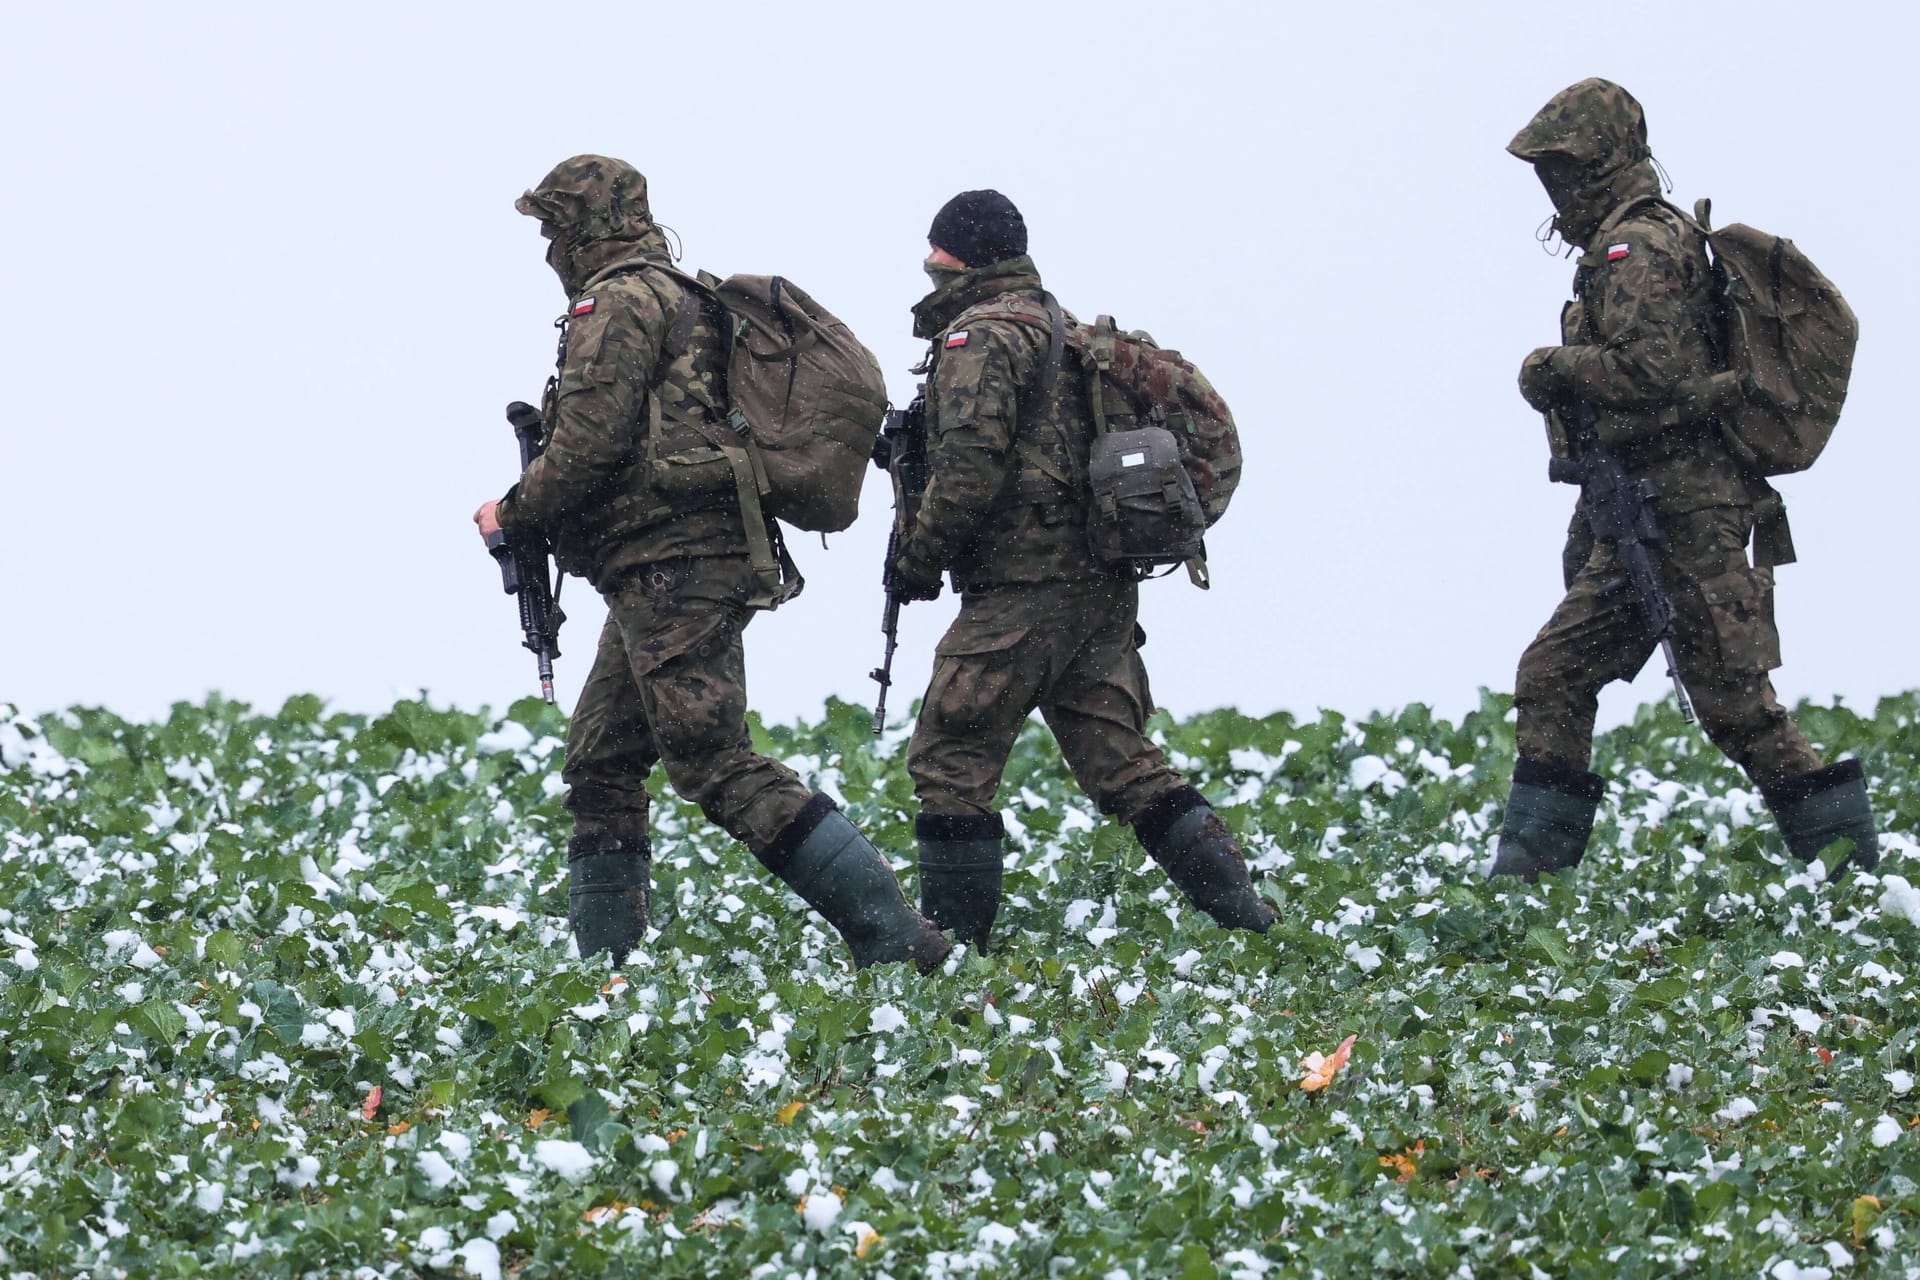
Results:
x,y
293,995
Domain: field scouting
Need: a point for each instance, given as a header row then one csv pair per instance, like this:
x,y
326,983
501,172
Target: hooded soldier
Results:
x,y
1636,352
1042,624
628,499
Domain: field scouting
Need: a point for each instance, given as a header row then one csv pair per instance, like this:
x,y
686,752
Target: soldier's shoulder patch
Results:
x,y
583,307
958,338
1615,252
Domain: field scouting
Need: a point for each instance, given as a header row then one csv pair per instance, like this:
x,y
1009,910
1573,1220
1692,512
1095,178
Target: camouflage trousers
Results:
x,y
1072,651
1725,643
669,686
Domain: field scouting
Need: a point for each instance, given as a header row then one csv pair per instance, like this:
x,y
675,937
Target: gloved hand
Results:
x,y
1541,381
912,575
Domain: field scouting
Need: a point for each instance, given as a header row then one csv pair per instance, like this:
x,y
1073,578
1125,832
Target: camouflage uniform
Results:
x,y
1636,351
624,496
1041,623
639,371
1635,345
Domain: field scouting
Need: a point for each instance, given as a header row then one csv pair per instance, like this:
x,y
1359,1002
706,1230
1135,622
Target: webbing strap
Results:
x,y
1096,401
1618,216
1056,346
767,566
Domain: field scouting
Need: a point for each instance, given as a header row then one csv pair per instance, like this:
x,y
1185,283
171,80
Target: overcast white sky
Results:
x,y
265,295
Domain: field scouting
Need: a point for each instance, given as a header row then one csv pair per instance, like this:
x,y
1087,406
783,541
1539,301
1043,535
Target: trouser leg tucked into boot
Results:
x,y
960,866
1549,819
1201,857
608,893
824,858
1816,809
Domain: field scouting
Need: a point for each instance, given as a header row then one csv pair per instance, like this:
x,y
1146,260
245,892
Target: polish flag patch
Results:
x,y
1615,252
957,339
582,307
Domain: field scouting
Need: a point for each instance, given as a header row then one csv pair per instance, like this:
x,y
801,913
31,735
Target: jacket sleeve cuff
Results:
x,y
506,511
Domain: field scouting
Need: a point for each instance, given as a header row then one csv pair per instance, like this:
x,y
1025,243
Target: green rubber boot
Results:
x,y
1204,861
1549,819
961,857
1816,809
608,893
824,858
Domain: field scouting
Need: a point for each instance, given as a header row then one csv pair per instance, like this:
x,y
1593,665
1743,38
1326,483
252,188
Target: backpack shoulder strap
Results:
x,y
1044,314
1612,221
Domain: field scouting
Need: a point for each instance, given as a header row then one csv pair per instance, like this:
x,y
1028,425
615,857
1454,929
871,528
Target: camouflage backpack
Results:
x,y
804,402
1165,458
1785,338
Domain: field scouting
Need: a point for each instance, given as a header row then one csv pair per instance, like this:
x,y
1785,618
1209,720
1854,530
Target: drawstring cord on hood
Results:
x,y
1666,179
675,251
1546,235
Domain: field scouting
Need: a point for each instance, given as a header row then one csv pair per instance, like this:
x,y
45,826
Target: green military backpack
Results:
x,y
1165,460
1785,338
1166,454
804,396
804,404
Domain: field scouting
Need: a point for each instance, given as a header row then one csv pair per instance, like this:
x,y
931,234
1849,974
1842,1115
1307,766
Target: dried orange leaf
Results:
x,y
867,1242
1320,1069
788,1112
372,1103
537,1117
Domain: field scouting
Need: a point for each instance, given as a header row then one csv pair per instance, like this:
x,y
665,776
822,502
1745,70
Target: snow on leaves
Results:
x,y
292,988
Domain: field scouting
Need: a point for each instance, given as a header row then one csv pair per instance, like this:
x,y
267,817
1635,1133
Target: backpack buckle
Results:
x,y
738,421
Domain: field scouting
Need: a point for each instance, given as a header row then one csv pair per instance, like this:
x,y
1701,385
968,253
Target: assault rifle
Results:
x,y
900,451
523,563
1619,509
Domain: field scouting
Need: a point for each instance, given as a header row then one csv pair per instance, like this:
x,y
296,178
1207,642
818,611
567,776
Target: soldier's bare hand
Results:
x,y
487,518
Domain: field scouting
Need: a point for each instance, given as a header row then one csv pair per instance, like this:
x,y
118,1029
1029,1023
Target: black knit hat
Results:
x,y
979,227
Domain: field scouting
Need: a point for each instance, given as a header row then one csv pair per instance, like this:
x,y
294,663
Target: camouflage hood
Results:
x,y
963,289
1589,146
594,211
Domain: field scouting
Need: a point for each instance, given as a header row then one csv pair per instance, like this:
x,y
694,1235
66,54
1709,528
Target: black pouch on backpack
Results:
x,y
1145,511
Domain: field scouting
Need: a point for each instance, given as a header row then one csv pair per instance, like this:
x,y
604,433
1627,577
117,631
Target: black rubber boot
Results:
x,y
608,894
1816,809
960,865
824,858
1549,819
1201,857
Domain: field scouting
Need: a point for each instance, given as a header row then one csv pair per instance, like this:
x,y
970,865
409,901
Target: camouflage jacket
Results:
x,y
1636,348
1635,337
639,370
1006,499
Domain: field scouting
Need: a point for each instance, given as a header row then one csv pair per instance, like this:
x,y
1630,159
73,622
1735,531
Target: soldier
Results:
x,y
1635,347
1041,623
641,374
